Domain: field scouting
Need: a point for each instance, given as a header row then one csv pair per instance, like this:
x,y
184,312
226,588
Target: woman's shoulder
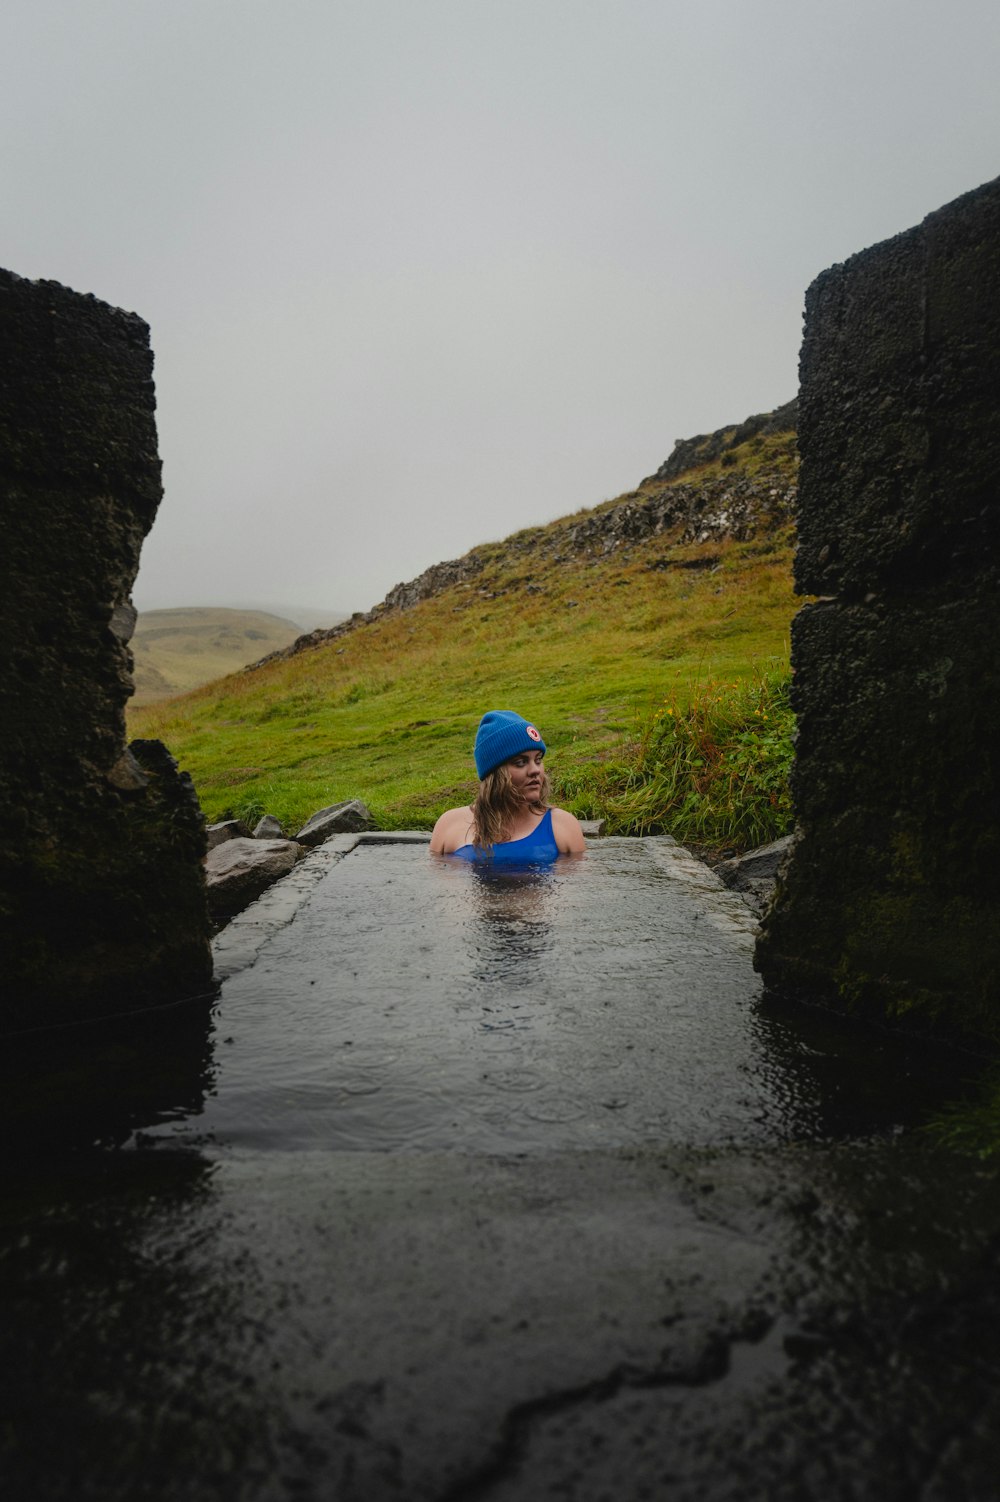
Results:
x,y
568,832
452,830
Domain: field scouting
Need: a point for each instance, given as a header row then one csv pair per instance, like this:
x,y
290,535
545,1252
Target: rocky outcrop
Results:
x,y
689,453
433,581
889,904
736,508
102,897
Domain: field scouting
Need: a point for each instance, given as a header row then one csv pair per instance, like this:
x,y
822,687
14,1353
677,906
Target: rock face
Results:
x,y
889,904
102,899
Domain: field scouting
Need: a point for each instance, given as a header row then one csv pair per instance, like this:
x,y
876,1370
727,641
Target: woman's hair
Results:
x,y
497,805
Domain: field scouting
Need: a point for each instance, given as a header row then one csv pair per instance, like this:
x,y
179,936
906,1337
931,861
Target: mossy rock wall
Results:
x,y
102,903
890,903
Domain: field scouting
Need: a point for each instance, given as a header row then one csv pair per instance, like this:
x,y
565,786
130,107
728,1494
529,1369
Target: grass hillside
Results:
x,y
600,627
178,650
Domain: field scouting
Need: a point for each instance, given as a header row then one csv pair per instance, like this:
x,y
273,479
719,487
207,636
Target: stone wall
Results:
x,y
102,902
890,903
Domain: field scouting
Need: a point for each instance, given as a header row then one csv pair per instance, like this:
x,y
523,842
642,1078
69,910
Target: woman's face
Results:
x,y
526,773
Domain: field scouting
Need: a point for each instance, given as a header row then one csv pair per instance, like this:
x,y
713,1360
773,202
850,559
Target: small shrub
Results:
x,y
251,811
713,770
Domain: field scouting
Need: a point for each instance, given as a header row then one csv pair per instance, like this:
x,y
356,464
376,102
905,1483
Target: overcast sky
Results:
x,y
421,272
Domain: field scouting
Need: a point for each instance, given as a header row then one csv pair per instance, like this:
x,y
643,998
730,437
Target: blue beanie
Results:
x,y
501,734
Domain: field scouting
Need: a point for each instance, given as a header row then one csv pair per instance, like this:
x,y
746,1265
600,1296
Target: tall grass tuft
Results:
x,y
711,769
972,1127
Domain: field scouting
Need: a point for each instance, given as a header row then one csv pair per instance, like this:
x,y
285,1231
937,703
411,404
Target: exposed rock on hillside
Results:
x,y
432,581
721,506
690,452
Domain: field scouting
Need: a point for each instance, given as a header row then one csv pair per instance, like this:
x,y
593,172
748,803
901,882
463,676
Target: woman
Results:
x,y
510,819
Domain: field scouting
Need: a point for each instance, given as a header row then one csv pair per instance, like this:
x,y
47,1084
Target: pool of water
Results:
x,y
421,1004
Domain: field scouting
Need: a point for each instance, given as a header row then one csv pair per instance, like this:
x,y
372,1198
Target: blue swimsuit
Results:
x,y
537,847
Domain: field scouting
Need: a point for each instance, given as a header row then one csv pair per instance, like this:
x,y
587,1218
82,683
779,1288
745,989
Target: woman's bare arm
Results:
x,y
568,833
452,831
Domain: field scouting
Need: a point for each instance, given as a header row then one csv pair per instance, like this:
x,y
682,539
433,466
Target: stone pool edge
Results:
x,y
237,946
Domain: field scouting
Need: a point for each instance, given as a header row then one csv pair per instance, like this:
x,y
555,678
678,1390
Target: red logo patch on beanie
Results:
x,y
530,730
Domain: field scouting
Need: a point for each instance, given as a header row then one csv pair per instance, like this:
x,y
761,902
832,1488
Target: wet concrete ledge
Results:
x,y
240,942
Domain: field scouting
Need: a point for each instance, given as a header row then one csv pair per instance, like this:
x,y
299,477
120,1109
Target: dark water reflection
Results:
x,y
234,1229
860,1080
69,1090
513,931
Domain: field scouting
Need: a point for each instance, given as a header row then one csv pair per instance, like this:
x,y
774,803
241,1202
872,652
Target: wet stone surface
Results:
x,y
503,1188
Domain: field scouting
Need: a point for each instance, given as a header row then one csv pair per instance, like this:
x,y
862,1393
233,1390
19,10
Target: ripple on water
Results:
x,y
555,1108
519,1081
360,1085
369,1058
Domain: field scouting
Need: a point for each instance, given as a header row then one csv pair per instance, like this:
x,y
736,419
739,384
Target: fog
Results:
x,y
420,274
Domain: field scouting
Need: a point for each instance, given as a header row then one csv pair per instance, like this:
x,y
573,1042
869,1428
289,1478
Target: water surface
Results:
x,y
424,1004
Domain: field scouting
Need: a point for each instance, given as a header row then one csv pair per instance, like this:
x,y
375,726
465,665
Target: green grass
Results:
x,y
588,646
711,769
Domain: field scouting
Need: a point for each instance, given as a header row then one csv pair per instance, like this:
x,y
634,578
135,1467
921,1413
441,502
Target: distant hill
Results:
x,y
305,617
178,650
